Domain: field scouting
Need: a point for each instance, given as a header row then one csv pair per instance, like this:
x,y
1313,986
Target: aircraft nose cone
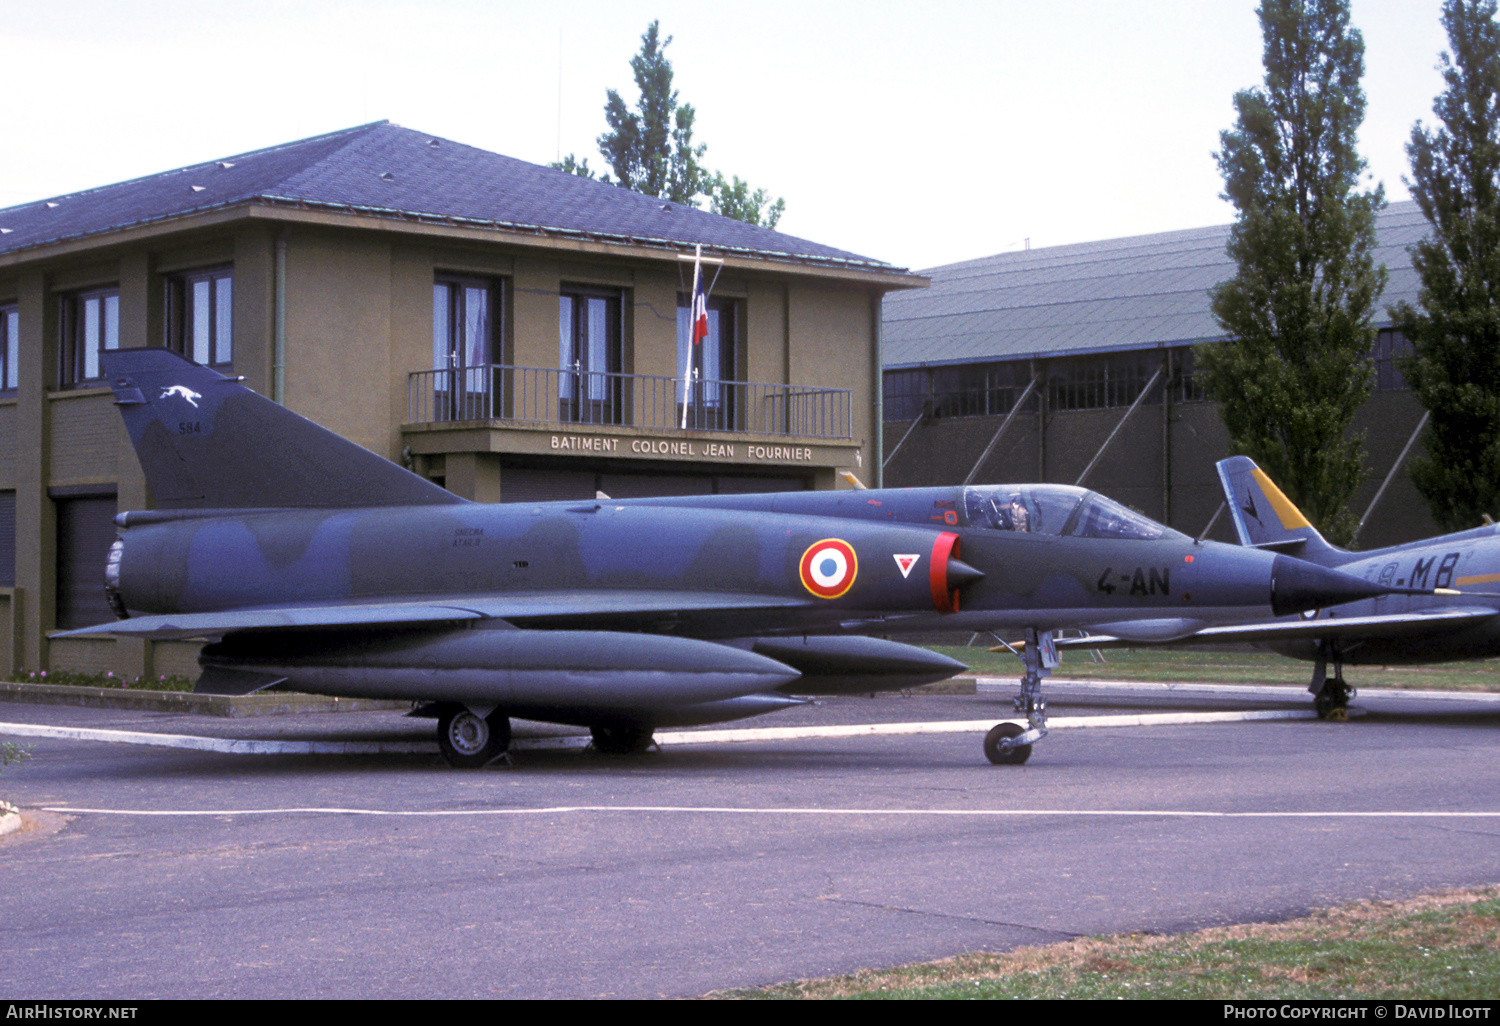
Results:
x,y
1297,585
961,573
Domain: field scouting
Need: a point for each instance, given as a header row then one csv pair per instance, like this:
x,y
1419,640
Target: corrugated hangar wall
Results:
x,y
1094,321
1161,462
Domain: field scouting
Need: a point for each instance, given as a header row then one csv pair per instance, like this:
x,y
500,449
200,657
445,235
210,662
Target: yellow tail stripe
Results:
x,y
1290,516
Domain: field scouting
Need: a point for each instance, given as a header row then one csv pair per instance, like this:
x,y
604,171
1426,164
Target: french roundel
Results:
x,y
828,568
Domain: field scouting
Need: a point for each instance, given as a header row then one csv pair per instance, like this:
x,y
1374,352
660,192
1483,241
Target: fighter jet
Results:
x,y
1427,614
311,564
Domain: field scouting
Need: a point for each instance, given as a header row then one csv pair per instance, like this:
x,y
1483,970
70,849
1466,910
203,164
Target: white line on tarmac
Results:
x,y
1289,693
232,746
555,810
974,726
246,746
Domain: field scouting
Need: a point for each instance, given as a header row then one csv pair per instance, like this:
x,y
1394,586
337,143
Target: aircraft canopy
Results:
x,y
1056,510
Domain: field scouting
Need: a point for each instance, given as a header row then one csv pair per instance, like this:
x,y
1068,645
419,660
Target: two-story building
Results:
x,y
507,330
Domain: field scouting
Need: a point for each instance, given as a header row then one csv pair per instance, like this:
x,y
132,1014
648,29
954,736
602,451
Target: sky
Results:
x,y
919,135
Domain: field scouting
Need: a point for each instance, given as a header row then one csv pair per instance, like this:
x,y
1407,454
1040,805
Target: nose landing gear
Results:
x,y
1009,744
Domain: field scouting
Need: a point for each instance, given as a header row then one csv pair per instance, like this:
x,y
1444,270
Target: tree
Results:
x,y
734,199
573,166
1455,336
650,149
1299,311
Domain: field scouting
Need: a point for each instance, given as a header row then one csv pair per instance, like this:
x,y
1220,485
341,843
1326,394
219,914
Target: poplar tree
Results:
x,y
650,148
734,199
1455,334
1299,311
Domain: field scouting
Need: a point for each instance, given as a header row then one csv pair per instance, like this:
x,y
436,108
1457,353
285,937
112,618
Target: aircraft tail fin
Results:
x,y
1266,519
207,442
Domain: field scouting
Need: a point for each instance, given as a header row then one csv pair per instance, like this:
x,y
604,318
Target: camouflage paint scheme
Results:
x,y
315,565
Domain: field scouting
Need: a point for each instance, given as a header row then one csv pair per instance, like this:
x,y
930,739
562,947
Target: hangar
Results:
x,y
1074,364
509,331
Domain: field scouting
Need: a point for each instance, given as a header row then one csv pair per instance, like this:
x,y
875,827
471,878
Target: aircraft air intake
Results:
x,y
949,573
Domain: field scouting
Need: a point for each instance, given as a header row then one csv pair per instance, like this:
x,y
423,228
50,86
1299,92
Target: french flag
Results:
x,y
700,305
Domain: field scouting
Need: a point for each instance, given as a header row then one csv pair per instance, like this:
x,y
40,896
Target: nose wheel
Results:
x,y
1009,744
1000,746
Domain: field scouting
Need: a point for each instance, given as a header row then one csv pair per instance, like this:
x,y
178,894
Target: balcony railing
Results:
x,y
538,395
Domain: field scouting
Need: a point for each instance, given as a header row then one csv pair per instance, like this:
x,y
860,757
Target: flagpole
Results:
x,y
687,363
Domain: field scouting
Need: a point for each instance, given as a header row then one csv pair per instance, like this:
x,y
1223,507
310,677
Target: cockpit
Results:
x,y
1057,510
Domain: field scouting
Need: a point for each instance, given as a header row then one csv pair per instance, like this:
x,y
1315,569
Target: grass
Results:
x,y
11,752
1439,946
1219,667
69,678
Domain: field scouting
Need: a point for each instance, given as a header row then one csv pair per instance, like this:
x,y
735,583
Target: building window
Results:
x,y
463,323
978,389
904,394
708,368
10,347
1189,389
200,316
1391,347
1099,382
465,312
960,390
590,355
90,323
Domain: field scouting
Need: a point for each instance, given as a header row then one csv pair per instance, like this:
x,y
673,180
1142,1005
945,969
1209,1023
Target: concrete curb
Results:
x,y
1267,692
262,704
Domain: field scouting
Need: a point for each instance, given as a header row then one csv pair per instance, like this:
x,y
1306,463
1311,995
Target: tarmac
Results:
x,y
859,831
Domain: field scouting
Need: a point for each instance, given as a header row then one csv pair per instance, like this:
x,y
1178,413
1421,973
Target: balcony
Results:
x,y
543,397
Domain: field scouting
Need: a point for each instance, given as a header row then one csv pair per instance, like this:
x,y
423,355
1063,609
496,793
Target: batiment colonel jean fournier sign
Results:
x,y
695,449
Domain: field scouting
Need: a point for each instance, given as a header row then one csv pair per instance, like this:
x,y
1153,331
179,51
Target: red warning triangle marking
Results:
x,y
904,563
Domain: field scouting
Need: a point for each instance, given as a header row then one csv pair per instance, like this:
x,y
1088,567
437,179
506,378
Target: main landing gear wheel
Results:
x,y
621,738
1332,702
998,753
1331,695
469,741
